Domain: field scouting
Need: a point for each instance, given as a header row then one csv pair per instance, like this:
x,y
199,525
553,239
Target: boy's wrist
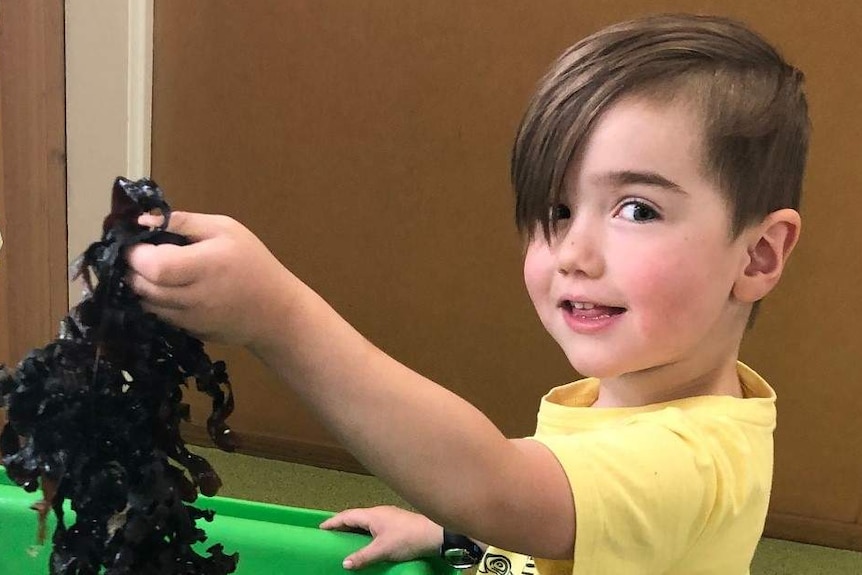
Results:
x,y
432,542
272,324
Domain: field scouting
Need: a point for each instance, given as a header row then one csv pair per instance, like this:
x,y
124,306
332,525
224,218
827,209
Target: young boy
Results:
x,y
657,172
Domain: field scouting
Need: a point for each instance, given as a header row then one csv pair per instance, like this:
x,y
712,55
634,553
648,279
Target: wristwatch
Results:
x,y
459,551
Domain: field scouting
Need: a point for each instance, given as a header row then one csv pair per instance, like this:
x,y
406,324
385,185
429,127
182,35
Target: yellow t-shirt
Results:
x,y
672,488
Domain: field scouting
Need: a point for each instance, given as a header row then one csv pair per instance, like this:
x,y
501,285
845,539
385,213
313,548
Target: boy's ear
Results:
x,y
768,246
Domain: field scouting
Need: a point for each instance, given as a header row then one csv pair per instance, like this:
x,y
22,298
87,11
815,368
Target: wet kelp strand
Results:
x,y
94,418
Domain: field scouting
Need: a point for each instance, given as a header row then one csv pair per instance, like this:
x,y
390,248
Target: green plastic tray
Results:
x,y
271,539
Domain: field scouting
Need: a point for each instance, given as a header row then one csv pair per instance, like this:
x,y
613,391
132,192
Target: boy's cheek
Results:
x,y
537,271
662,286
661,294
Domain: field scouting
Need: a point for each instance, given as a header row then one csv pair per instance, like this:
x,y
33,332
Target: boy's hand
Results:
x,y
399,535
220,287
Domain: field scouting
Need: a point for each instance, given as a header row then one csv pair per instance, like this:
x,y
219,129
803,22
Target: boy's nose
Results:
x,y
579,251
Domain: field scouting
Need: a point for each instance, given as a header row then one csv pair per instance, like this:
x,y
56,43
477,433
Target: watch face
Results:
x,y
459,558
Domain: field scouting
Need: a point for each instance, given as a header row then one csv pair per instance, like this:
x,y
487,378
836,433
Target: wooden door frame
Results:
x,y
33,262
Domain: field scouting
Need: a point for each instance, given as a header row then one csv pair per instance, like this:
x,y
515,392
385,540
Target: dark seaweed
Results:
x,y
94,417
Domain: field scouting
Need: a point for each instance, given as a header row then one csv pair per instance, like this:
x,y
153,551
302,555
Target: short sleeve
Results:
x,y
642,492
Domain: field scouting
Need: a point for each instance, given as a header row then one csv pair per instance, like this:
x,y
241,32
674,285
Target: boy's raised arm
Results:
x,y
438,451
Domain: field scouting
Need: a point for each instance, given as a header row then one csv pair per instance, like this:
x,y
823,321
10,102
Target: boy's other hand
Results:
x,y
217,287
399,535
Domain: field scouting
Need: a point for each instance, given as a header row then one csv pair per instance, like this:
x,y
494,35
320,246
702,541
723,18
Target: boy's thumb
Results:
x,y
193,226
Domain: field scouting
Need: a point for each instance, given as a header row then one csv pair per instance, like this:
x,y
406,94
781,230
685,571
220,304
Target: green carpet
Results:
x,y
295,485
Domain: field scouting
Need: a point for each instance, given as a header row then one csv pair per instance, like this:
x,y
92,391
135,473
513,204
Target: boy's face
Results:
x,y
640,271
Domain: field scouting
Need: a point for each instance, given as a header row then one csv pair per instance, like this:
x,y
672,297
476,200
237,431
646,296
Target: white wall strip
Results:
x,y
109,46
140,87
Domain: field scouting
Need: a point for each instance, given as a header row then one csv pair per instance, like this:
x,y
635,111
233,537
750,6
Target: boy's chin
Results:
x,y
611,367
597,369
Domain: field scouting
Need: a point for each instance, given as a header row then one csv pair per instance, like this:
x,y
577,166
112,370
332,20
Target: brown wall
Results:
x,y
367,144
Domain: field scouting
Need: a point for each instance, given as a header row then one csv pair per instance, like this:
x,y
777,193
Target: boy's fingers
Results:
x,y
164,265
166,314
156,296
332,523
349,520
150,221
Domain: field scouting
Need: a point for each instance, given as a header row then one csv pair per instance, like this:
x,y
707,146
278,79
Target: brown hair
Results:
x,y
755,115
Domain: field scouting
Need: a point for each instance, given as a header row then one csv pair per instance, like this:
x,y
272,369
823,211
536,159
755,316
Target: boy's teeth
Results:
x,y
581,305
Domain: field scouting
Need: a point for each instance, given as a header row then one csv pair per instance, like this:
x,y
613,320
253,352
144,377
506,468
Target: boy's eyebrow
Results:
x,y
631,177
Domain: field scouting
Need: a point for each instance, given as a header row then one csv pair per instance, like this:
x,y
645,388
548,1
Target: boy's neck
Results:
x,y
669,382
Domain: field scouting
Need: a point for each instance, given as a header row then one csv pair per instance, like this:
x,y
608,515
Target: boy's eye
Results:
x,y
560,212
636,211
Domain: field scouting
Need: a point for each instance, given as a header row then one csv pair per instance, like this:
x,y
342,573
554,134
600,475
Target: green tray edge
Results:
x,y
268,513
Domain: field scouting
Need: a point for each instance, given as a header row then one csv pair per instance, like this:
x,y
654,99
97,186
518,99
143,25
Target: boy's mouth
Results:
x,y
589,310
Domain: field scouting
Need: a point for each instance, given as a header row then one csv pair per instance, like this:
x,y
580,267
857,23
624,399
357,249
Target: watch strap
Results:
x,y
459,551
